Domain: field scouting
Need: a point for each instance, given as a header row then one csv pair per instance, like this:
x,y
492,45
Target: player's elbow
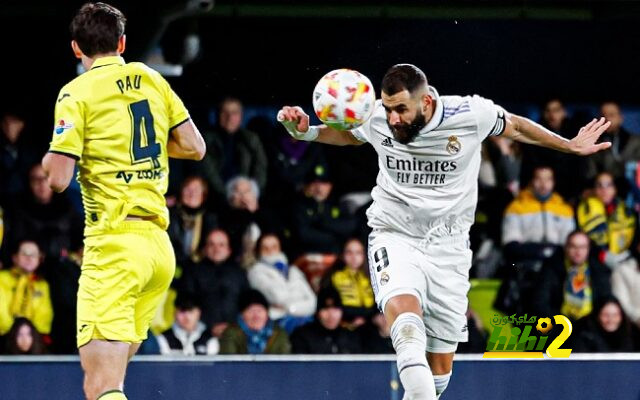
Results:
x,y
200,152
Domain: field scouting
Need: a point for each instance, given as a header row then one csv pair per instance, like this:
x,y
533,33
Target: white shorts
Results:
x,y
435,271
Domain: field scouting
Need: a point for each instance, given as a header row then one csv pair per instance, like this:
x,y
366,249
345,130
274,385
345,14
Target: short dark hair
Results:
x,y
403,77
97,27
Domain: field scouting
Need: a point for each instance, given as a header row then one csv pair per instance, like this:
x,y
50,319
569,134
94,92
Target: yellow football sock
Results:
x,y
112,395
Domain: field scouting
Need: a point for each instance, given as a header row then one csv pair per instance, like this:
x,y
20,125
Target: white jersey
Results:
x,y
429,187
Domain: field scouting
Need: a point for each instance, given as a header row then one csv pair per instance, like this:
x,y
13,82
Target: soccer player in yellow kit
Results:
x,y
120,122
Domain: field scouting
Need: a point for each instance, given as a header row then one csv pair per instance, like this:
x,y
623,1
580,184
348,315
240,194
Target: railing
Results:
x,y
352,377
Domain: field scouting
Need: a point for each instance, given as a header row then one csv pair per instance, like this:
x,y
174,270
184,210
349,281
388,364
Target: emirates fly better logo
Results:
x,y
522,341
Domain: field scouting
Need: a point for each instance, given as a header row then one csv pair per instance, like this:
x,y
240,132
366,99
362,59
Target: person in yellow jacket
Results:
x,y
23,293
353,285
608,221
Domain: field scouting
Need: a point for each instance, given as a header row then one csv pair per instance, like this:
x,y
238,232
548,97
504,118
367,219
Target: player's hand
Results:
x,y
585,141
295,121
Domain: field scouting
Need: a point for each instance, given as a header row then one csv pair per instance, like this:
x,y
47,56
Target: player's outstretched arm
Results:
x,y
186,142
296,122
584,143
59,169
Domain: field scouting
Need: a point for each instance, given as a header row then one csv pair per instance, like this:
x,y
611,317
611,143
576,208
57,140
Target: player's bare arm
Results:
x,y
584,143
186,142
296,121
59,169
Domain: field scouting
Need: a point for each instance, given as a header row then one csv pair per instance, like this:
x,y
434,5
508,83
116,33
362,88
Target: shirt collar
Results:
x,y
436,118
109,60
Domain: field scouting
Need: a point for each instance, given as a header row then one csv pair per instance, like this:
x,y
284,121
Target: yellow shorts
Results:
x,y
125,274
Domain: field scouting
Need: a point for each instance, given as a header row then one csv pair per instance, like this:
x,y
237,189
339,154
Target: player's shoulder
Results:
x,y
143,68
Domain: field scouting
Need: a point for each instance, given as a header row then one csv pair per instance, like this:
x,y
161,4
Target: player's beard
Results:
x,y
405,133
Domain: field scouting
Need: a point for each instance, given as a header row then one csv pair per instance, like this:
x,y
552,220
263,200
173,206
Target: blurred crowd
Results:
x,y
270,239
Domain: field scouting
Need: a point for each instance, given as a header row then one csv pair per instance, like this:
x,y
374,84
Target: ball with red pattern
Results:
x,y
344,99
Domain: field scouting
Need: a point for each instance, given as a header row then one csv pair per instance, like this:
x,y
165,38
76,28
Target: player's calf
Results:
x,y
410,340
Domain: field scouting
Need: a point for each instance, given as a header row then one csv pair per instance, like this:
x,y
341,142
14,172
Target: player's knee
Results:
x,y
441,382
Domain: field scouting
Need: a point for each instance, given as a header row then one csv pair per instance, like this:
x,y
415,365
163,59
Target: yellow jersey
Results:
x,y
115,121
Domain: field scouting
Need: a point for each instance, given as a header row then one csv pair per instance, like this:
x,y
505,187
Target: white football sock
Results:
x,y
409,340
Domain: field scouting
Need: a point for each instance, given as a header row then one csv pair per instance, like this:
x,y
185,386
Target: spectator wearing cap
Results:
x,y
321,226
254,332
188,336
325,335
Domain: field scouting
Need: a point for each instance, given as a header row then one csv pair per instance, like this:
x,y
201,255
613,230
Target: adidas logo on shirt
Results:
x,y
387,142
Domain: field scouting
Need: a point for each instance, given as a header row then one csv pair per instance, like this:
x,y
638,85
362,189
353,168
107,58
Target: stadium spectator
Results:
x,y
16,155
608,221
375,335
537,222
245,218
188,336
570,169
232,150
190,221
290,161
606,330
1,233
624,146
571,283
216,282
254,332
321,226
292,302
44,215
325,335
23,339
625,285
23,292
63,276
534,228
352,283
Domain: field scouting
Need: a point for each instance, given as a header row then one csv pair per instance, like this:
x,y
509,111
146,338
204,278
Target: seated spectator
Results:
x,y
570,283
232,150
625,285
1,233
624,146
17,155
245,218
537,222
23,339
570,169
24,293
325,335
321,226
190,221
188,336
375,335
352,282
254,332
292,301
607,221
44,215
534,228
606,330
216,282
63,277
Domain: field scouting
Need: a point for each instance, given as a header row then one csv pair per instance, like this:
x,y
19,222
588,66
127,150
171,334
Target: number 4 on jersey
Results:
x,y
142,127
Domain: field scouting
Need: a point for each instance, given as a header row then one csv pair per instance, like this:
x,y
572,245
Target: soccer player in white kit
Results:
x,y
423,206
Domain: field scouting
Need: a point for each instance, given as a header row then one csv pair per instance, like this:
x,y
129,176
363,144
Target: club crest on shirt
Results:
x,y
384,278
62,126
453,146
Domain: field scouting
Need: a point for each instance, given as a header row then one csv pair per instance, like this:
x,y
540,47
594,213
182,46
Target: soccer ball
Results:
x,y
343,99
